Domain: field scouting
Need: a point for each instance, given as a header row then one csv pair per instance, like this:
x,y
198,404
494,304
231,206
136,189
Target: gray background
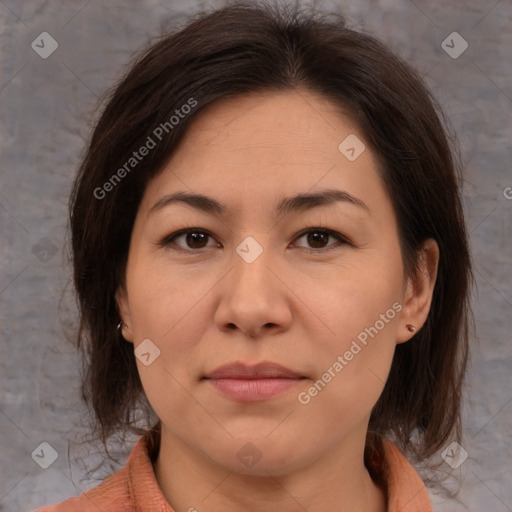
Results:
x,y
46,108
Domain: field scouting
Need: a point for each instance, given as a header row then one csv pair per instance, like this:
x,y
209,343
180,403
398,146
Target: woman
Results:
x,y
269,249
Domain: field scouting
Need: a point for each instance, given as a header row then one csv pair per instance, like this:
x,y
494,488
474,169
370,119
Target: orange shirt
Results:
x,y
134,488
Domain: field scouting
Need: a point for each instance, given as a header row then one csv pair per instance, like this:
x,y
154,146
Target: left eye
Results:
x,y
197,239
317,236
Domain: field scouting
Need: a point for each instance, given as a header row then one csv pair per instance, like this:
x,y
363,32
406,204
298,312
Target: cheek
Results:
x,y
170,396
353,297
170,308
163,296
354,355
353,367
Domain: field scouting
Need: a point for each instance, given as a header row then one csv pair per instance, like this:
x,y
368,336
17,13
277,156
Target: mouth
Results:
x,y
244,383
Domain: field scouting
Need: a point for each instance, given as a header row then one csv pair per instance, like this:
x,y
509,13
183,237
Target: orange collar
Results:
x,y
135,488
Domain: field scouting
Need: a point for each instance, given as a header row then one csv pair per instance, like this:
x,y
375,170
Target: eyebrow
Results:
x,y
299,202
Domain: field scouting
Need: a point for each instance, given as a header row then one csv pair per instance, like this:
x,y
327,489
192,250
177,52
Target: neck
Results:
x,y
338,481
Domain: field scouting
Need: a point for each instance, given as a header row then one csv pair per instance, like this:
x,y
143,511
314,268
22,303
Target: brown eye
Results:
x,y
194,240
317,239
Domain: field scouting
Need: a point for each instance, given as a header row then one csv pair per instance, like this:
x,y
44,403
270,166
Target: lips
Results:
x,y
264,370
244,383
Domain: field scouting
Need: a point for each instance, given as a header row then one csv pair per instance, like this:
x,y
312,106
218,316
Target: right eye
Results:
x,y
194,238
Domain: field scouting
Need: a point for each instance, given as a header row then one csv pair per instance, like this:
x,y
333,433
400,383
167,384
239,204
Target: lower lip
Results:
x,y
253,390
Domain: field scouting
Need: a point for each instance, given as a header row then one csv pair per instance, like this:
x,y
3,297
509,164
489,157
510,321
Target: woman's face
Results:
x,y
251,286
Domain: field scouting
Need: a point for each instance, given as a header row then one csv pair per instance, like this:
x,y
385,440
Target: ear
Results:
x,y
419,289
124,312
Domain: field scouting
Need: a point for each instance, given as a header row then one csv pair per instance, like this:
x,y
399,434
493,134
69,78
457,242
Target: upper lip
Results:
x,y
263,370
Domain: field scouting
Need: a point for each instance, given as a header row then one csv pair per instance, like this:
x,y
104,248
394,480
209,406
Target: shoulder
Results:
x,y
404,488
125,490
112,492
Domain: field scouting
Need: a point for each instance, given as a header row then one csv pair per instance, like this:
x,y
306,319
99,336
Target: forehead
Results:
x,y
270,122
265,145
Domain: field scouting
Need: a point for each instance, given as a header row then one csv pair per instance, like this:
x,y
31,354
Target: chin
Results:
x,y
260,457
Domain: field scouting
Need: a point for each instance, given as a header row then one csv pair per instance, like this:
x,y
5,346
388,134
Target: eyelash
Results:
x,y
342,240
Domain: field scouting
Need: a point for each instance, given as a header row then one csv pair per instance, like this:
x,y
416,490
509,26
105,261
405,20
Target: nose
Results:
x,y
253,299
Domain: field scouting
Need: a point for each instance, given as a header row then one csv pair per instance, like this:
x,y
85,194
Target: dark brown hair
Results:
x,y
237,50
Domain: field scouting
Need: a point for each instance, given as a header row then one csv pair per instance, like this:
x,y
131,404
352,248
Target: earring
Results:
x,y
410,327
120,325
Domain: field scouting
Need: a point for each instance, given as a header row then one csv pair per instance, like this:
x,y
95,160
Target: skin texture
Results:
x,y
292,306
